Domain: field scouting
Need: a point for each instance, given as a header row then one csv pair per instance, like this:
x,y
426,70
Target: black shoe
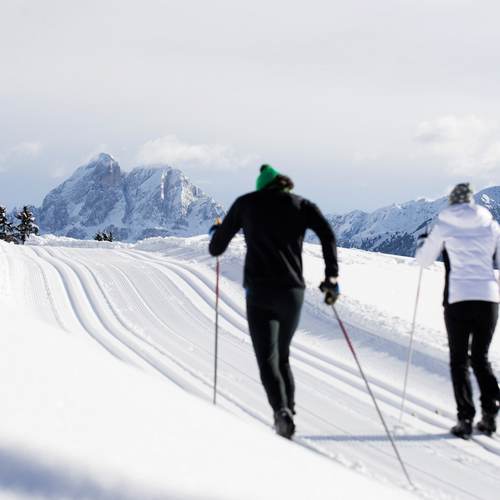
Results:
x,y
487,425
463,429
283,423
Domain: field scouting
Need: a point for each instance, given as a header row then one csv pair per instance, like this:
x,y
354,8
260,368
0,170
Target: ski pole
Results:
x,y
216,347
410,347
351,347
217,271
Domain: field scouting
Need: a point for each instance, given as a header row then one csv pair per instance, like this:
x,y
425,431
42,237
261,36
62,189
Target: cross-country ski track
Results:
x,y
157,312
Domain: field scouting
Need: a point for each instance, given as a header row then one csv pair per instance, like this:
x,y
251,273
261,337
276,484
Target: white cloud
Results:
x,y
19,152
468,144
27,149
171,150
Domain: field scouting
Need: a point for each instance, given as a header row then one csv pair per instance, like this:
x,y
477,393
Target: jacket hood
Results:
x,y
466,215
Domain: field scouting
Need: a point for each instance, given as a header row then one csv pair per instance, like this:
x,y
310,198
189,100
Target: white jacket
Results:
x,y
470,241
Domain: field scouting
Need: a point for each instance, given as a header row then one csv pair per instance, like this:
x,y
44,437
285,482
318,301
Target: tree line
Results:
x,y
104,236
20,232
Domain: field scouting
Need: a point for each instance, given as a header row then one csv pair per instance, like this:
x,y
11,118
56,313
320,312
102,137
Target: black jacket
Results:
x,y
274,223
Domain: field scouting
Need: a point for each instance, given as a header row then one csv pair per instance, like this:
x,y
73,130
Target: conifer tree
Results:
x,y
5,225
104,236
27,225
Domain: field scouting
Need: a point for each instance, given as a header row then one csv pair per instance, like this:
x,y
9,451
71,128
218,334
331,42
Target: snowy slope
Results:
x,y
151,305
393,229
148,201
78,424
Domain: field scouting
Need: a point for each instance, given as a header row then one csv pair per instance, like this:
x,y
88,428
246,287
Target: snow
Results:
x,y
106,359
393,228
148,200
83,425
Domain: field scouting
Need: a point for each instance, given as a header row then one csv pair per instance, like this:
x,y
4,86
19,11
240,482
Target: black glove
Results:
x,y
331,289
216,226
421,239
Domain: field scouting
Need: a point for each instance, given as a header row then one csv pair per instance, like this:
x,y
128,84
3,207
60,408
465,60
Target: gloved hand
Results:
x,y
214,228
421,239
331,289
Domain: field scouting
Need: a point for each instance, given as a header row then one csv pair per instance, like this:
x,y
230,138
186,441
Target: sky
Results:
x,y
362,103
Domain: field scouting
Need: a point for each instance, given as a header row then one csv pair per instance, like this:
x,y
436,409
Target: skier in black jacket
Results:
x,y
274,222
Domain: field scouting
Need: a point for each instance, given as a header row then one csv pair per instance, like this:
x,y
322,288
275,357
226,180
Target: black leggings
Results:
x,y
273,316
477,319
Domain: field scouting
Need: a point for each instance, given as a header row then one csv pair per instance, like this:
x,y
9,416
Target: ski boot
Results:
x,y
463,428
283,423
487,425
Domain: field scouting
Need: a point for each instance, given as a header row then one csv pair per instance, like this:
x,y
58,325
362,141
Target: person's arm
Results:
x,y
317,222
497,252
224,232
429,248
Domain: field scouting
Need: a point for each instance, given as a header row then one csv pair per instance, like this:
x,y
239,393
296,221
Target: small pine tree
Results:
x,y
103,236
27,226
5,225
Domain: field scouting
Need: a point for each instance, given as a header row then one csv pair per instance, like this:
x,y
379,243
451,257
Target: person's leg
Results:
x,y
264,329
289,308
458,329
485,320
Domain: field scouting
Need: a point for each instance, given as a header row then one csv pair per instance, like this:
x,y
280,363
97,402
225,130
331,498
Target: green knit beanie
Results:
x,y
266,176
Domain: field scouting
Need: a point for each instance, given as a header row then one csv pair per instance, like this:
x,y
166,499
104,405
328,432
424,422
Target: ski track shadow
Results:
x,y
26,474
363,338
380,437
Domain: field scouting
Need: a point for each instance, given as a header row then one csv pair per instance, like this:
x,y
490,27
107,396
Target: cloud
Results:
x,y
27,149
468,144
16,154
171,150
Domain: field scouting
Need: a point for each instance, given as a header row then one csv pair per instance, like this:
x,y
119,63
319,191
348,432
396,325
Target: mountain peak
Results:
x,y
394,228
102,158
153,200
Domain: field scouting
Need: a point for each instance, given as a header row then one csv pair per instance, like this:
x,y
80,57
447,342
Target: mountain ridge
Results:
x,y
159,200
394,228
147,201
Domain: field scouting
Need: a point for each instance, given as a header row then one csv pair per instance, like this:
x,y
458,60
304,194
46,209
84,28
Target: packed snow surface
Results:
x,y
106,369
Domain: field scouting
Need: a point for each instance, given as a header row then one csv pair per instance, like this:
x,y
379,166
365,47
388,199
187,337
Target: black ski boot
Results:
x,y
283,423
487,425
463,429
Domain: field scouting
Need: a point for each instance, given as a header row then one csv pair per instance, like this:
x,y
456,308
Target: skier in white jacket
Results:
x,y
468,239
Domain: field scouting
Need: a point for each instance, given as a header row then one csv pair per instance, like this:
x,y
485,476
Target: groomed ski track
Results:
x,y
156,312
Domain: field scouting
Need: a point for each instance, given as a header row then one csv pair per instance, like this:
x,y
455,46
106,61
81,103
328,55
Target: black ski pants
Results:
x,y
273,316
470,326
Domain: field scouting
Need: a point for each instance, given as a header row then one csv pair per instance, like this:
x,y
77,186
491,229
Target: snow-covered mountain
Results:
x,y
393,229
148,201
161,201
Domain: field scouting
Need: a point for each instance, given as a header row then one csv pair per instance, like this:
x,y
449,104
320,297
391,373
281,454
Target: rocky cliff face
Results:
x,y
394,229
148,201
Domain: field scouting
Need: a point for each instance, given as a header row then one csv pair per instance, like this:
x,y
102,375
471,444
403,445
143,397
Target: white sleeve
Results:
x,y
432,247
497,253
